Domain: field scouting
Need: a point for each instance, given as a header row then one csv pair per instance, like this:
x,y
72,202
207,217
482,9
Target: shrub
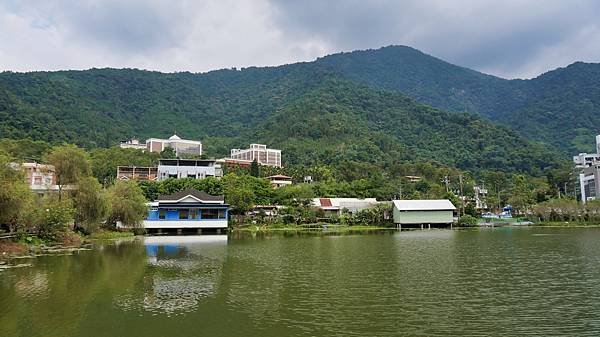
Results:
x,y
467,221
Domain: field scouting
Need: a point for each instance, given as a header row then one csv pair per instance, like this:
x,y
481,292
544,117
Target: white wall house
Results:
x,y
188,168
335,206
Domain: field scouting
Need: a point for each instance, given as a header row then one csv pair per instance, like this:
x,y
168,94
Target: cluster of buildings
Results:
x,y
182,147
588,165
186,165
193,211
186,148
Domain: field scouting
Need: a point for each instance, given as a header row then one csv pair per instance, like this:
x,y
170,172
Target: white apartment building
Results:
x,y
588,159
260,153
181,146
188,168
589,174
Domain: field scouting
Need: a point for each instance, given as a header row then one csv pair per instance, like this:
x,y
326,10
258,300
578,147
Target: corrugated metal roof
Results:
x,y
424,205
325,202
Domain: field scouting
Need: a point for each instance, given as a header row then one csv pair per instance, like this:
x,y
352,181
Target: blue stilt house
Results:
x,y
186,210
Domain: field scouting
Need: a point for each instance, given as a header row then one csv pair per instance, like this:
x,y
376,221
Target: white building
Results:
x,y
279,180
335,206
182,147
260,153
588,159
40,177
480,197
188,168
589,175
589,183
133,144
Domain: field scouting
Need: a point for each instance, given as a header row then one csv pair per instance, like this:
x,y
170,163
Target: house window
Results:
x,y
184,214
222,214
210,214
162,214
193,213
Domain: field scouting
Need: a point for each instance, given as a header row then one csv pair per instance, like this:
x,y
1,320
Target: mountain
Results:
x,y
560,107
313,113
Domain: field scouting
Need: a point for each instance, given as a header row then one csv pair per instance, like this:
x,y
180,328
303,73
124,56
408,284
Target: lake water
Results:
x,y
487,282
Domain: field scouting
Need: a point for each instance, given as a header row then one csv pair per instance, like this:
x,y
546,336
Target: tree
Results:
x,y
15,195
168,153
127,203
54,218
254,169
70,164
91,204
521,195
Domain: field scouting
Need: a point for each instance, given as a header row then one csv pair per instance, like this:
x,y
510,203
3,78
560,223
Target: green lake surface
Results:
x,y
482,282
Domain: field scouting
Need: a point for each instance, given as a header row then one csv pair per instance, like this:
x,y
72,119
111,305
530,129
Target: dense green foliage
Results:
x,y
313,103
561,107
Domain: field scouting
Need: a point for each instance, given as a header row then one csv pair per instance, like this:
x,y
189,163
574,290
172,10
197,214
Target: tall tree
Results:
x,y
127,203
254,169
70,164
521,196
15,195
91,204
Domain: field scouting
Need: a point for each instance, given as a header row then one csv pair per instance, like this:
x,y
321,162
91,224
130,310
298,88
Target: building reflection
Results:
x,y
181,272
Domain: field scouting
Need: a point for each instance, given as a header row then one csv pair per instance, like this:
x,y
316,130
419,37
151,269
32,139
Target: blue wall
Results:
x,y
173,215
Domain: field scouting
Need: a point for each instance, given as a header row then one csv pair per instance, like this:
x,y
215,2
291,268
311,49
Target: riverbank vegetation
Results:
x,y
80,206
90,198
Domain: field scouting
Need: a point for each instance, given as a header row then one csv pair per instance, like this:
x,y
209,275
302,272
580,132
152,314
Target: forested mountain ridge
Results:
x,y
311,112
560,107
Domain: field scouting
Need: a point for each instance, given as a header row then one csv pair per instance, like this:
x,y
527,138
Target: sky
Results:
x,y
508,38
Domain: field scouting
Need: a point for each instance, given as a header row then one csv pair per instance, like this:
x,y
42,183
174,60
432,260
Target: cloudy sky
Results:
x,y
508,38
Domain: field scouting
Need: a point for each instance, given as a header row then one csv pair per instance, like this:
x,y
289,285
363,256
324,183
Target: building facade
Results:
x,y
480,197
589,173
279,180
133,143
187,209
40,177
137,173
335,206
419,212
260,153
182,147
583,160
589,183
188,168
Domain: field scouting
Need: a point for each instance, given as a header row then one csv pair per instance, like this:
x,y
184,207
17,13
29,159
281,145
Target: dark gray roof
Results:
x,y
193,192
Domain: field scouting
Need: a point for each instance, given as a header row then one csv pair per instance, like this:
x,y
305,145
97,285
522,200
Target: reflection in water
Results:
x,y
182,270
491,282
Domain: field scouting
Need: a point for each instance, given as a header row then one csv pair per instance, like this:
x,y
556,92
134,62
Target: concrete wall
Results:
x,y
422,217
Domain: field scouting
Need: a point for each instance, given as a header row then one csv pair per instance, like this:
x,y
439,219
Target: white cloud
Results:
x,y
508,38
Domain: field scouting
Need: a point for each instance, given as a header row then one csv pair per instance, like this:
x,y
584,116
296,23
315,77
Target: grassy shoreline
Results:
x,y
567,224
310,228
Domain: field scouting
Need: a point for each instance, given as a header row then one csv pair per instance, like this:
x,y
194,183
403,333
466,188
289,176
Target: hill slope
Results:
x,y
312,113
559,107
